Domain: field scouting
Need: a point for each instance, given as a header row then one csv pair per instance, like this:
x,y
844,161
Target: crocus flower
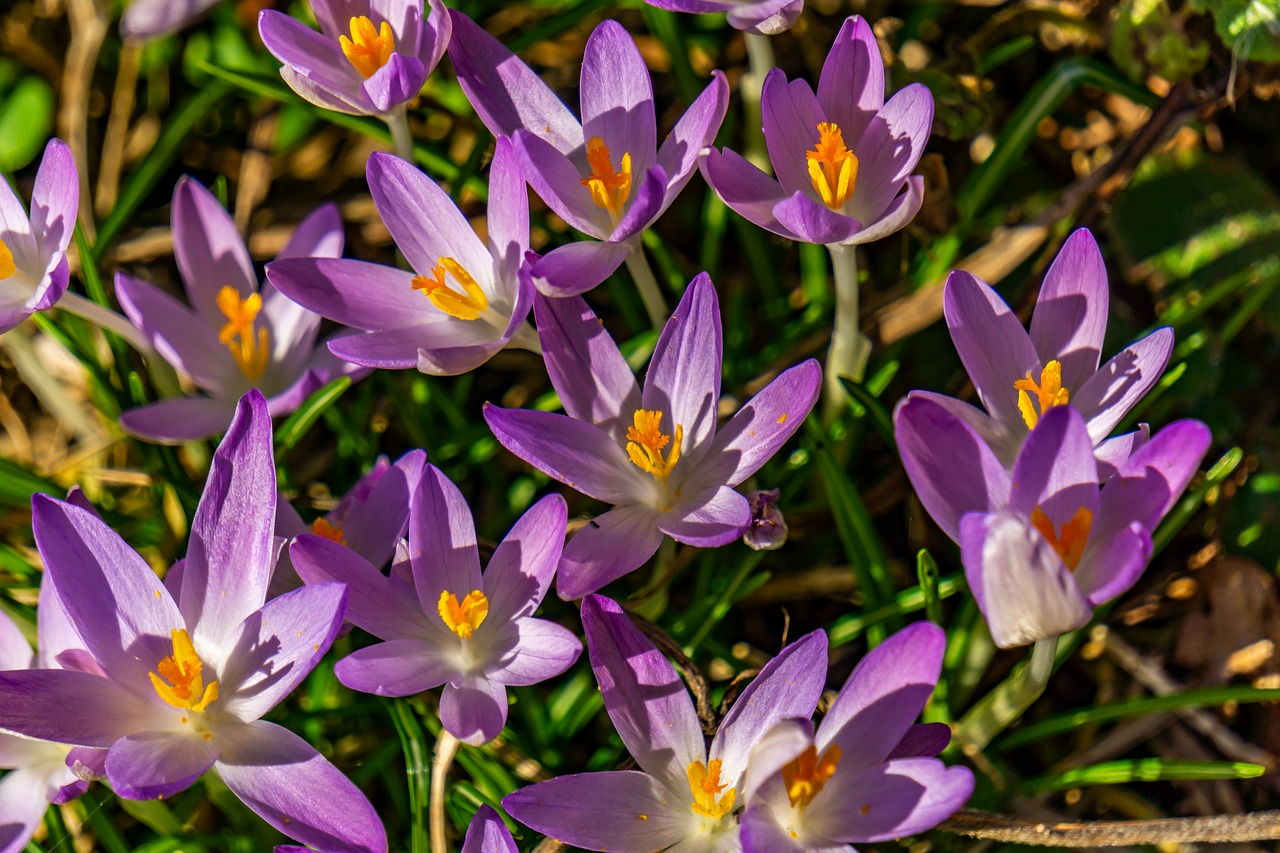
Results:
x,y
843,157
235,336
33,249
605,176
488,834
656,456
768,528
474,634
758,17
686,795
180,684
144,20
464,300
867,774
1020,376
371,57
1044,545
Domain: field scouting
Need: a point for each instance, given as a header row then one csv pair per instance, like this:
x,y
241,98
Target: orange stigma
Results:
x,y
250,352
467,304
1075,534
178,679
7,266
609,189
833,168
368,49
704,782
645,443
806,776
463,618
322,527
1049,393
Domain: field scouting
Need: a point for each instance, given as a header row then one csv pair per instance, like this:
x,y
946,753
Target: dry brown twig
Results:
x,y
1216,829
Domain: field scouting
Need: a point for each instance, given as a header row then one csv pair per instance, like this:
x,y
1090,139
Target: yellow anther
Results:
x,y
466,305
177,678
7,266
609,189
1049,393
806,776
369,48
463,618
704,782
1075,534
322,527
645,444
833,168
251,352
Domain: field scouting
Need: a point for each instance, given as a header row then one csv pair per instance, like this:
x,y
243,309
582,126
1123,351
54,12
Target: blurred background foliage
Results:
x,y
1152,122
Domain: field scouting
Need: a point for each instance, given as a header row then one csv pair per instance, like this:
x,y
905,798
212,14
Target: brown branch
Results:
x,y
1259,826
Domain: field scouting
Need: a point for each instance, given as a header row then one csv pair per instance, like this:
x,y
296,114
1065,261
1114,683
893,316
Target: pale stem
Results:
x,y
104,318
526,338
759,62
401,136
850,348
1006,703
446,749
647,284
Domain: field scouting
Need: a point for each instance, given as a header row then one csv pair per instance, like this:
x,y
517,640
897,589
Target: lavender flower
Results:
x,y
685,796
447,624
33,249
768,529
843,157
757,17
488,834
370,57
466,299
1044,546
144,20
237,337
1020,376
655,456
605,176
181,685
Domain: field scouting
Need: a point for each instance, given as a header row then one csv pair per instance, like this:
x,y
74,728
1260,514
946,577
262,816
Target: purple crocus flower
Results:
x,y
605,176
758,17
685,796
1044,545
843,157
237,337
144,20
33,249
371,57
656,456
464,300
867,774
474,634
180,685
488,834
1020,376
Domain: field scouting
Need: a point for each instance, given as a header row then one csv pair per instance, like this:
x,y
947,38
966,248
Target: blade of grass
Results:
x,y
297,424
849,628
416,762
1142,770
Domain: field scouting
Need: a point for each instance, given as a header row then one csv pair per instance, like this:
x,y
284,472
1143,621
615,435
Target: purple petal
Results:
x,y
762,833
624,811
15,650
1070,319
1056,470
399,667
153,765
644,696
520,571
319,235
1115,565
454,361
617,96
608,547
147,19
683,382
890,149
54,199
374,523
814,222
1023,588
177,334
436,33
644,205
542,650
505,92
577,454
950,467
765,17
474,709
22,807
395,83
179,419
743,187
593,380
73,707
442,541
923,740
1115,451
1149,483
231,553
314,66
1108,395
575,268
55,632
508,211
293,331
393,349
708,518
893,800
488,834
788,686
896,216
851,88
773,750
378,604
791,118
695,130
209,250
883,696
293,788
278,646
558,181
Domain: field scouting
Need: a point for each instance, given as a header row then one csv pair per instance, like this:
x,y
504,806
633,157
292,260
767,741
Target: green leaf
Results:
x,y
17,485
1142,770
1251,28
26,122
293,429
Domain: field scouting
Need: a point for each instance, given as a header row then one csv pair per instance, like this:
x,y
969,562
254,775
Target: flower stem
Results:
x,y
647,284
1005,704
401,136
850,348
446,749
759,61
526,338
104,318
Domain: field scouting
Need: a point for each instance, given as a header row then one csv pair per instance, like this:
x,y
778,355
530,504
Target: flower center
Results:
x,y
1075,534
462,618
250,352
645,444
322,527
1049,393
833,168
704,782
806,776
466,305
177,678
609,189
368,49
7,266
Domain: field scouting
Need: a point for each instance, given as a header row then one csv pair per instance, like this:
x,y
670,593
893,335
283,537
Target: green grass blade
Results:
x,y
296,426
849,628
1142,770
